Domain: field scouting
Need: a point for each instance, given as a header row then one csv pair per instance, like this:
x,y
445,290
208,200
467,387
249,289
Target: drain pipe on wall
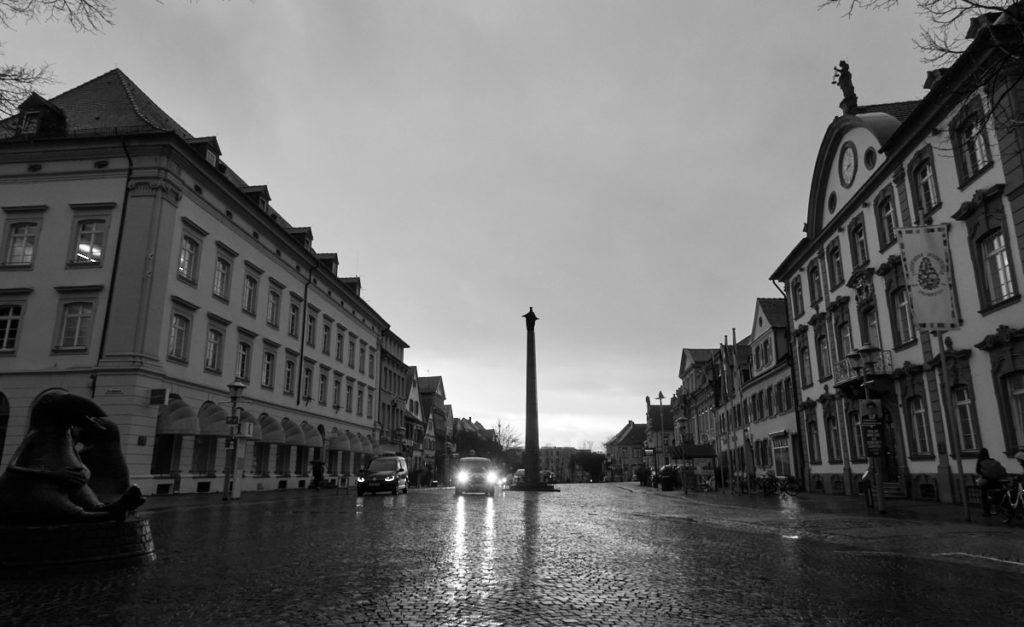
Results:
x,y
113,265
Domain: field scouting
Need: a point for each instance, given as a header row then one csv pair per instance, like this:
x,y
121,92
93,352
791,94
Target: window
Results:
x,y
832,438
369,404
814,282
289,376
804,353
844,339
359,402
922,178
249,287
273,308
267,376
311,329
75,326
987,226
293,320
222,278
970,142
885,216
348,398
870,327
351,351
214,353
858,243
834,257
1015,398
920,437
21,243
796,297
373,362
966,422
188,259
821,353
180,330
326,338
90,238
10,321
242,360
339,344
307,383
336,396
362,357
903,316
322,390
996,272
856,436
813,443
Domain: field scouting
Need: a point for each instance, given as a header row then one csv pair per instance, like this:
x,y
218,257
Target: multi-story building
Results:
x,y
439,415
139,270
560,461
625,453
660,435
951,161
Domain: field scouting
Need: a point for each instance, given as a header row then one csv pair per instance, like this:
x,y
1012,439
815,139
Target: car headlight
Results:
x,y
389,478
492,477
462,477
360,479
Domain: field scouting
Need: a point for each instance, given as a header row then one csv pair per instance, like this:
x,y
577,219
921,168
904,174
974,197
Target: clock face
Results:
x,y
847,164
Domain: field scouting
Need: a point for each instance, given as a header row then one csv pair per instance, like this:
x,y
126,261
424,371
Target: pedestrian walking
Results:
x,y
318,474
989,473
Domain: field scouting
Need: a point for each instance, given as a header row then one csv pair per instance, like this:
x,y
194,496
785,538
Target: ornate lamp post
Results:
x,y
871,423
235,390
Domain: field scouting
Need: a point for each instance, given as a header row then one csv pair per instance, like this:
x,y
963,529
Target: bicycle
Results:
x,y
783,485
1011,499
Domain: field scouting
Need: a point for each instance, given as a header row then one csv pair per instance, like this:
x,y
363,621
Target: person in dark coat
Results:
x,y
986,484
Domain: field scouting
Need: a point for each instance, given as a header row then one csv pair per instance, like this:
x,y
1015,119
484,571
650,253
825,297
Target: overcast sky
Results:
x,y
634,170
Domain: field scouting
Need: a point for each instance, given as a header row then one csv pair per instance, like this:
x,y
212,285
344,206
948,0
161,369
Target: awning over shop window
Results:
x,y
272,431
213,420
338,441
313,437
249,426
293,433
177,418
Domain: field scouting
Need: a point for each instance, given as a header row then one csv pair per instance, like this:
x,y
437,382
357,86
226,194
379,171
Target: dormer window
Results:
x,y
211,157
29,124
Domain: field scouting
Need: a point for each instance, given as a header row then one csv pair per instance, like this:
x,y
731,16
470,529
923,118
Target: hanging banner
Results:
x,y
929,275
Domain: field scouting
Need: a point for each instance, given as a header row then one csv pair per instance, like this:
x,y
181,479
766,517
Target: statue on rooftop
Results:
x,y
844,79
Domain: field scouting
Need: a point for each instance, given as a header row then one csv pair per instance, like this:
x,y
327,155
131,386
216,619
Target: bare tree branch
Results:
x,y
17,82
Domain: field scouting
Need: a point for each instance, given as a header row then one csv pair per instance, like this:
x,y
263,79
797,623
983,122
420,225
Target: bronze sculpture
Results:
x,y
49,482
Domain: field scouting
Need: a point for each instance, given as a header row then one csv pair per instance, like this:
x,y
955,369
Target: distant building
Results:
x,y
625,452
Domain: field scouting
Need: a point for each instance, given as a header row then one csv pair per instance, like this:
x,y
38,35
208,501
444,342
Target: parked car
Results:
x,y
667,477
476,474
388,473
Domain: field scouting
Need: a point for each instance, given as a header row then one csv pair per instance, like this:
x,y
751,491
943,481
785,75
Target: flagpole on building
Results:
x,y
953,427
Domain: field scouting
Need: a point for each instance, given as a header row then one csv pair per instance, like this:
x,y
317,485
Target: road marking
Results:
x,y
980,557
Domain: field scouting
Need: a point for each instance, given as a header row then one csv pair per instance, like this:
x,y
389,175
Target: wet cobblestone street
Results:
x,y
588,555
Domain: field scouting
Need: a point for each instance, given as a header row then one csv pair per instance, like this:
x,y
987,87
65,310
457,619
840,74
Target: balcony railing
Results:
x,y
879,363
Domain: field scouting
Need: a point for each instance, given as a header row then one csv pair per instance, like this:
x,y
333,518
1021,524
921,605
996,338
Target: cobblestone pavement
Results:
x,y
596,554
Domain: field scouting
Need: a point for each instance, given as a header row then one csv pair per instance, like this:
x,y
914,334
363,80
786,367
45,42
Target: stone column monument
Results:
x,y
531,454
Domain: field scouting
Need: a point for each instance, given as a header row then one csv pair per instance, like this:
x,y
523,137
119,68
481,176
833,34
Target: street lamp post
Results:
x,y
235,390
871,426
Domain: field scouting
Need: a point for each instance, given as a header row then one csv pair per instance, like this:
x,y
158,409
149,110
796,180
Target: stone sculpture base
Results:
x,y
48,546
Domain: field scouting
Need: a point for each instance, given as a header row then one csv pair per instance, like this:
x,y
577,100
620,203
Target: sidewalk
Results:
x,y
936,530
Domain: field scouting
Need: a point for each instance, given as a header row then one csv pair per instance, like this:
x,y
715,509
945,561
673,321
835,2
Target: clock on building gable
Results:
x,y
847,164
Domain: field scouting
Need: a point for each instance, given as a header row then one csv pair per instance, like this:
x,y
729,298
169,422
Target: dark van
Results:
x,y
388,473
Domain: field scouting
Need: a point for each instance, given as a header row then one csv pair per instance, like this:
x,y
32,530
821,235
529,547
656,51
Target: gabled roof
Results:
x,y
111,103
431,385
630,435
693,356
774,310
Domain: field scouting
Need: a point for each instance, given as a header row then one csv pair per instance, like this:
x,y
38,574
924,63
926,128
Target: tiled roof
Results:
x,y
775,310
111,104
899,110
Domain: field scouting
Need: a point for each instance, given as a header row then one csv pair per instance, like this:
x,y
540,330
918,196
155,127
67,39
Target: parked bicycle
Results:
x,y
1011,499
772,484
